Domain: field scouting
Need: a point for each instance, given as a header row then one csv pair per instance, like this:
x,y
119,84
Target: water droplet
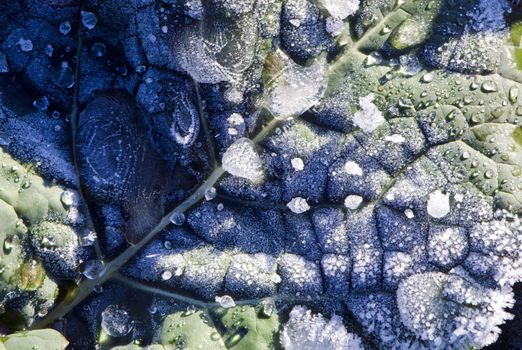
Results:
x,y
166,275
428,77
41,103
64,77
489,86
177,218
210,193
98,50
93,269
225,301
89,20
513,94
116,322
385,30
488,174
65,27
190,310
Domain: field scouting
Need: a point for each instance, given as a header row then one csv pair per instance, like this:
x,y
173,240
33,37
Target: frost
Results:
x,y
306,331
395,138
297,164
353,202
241,159
298,205
293,89
353,168
341,8
26,45
369,117
438,204
89,20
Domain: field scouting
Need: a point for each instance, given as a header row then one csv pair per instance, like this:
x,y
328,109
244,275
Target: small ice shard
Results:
x,y
166,275
70,198
177,218
409,213
293,89
353,168
241,159
395,138
225,301
353,202
340,8
297,164
210,193
298,205
89,20
26,45
334,26
116,322
410,65
438,204
369,117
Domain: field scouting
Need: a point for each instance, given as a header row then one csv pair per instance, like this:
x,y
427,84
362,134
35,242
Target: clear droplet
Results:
x,y
89,20
93,269
210,193
116,322
177,218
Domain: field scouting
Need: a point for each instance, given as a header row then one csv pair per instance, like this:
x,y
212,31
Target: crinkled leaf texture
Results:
x,y
351,179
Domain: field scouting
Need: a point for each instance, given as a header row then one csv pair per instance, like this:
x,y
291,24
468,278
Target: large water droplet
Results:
x,y
89,20
116,322
93,269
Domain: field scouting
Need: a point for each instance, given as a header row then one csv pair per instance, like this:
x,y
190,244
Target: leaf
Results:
x,y
41,339
241,327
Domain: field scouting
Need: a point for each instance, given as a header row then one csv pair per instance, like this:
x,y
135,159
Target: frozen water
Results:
x,y
297,164
241,159
93,269
353,168
26,45
353,202
225,301
210,193
177,218
369,117
306,331
298,205
341,8
89,20
395,138
438,204
294,89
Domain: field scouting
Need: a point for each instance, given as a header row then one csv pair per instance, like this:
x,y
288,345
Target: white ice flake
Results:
x,y
369,117
438,204
298,205
353,168
242,160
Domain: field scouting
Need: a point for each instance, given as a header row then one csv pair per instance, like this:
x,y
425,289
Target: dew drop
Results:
x,y
93,269
116,322
177,218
